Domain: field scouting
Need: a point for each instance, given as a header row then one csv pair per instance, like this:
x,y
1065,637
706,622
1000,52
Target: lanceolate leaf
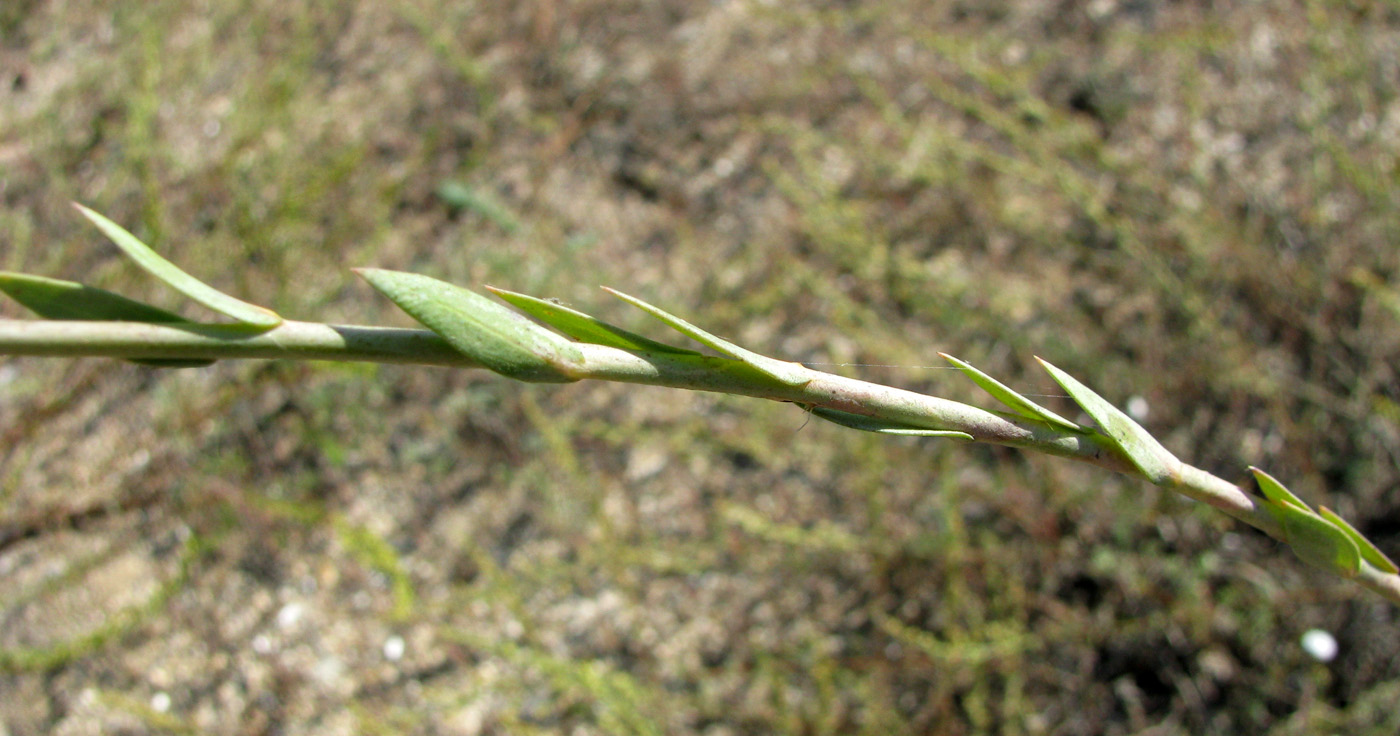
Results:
x,y
1018,403
790,374
69,300
1369,551
1317,541
871,424
480,328
1155,462
584,328
240,311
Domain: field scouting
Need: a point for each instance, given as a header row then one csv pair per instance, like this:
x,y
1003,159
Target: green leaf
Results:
x,y
1322,541
1154,461
1317,541
791,374
872,424
1018,403
1369,551
584,328
68,300
480,328
240,311
1274,490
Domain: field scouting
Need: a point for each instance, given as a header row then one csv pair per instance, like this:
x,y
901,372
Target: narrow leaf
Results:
x,y
585,328
479,328
1018,403
1274,490
68,300
872,424
1316,541
791,374
240,311
1154,461
1369,551
911,432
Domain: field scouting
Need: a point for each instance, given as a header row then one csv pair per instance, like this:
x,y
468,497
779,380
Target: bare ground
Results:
x,y
1188,204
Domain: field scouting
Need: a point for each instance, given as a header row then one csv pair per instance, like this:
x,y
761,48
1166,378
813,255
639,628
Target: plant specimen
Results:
x,y
468,329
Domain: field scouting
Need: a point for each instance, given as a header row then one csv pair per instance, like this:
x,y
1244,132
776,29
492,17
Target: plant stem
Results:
x,y
314,341
290,340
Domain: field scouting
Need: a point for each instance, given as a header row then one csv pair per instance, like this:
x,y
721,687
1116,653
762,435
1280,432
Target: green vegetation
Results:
x,y
490,336
1192,212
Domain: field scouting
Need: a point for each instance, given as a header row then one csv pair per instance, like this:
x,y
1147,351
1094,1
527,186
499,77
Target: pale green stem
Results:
x,y
290,340
315,341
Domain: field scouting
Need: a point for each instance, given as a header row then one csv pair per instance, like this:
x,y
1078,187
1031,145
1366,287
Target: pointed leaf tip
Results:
x,y
1018,403
880,426
1275,491
246,314
1155,462
583,327
790,374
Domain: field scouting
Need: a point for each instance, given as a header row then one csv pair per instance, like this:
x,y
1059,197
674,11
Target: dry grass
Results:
x,y
1192,206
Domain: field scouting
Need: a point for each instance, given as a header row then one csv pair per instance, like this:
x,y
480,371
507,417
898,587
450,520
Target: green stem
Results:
x,y
315,341
290,340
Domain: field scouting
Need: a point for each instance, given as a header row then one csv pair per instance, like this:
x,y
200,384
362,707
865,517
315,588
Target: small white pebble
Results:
x,y
262,644
1320,644
290,615
328,670
1137,408
393,648
160,702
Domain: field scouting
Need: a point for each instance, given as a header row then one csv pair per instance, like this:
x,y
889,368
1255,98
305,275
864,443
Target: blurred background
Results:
x,y
1190,206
